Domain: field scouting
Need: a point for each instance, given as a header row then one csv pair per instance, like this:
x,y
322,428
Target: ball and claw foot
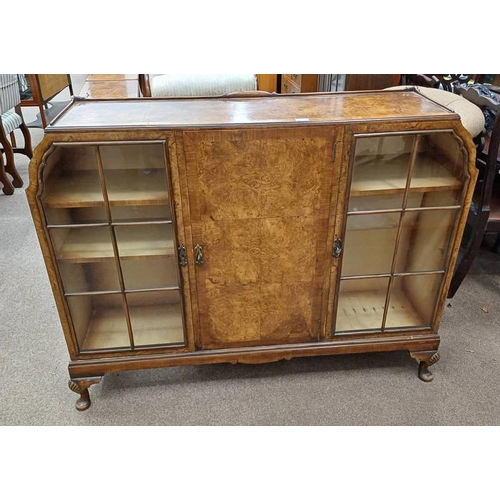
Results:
x,y
81,387
425,359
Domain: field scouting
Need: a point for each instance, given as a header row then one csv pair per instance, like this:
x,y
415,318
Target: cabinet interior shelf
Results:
x,y
389,176
152,325
82,246
82,189
363,310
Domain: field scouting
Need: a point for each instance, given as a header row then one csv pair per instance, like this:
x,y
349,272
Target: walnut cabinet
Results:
x,y
249,228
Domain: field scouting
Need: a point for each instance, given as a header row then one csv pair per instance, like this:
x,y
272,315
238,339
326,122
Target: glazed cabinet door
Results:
x,y
260,206
406,194
111,226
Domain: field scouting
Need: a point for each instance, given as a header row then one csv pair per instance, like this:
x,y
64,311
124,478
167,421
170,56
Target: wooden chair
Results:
x,y
484,214
11,118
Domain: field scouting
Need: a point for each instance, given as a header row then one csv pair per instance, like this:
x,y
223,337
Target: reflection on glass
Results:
x,y
361,304
135,175
412,300
132,156
156,317
425,239
438,166
144,240
82,244
72,188
381,165
429,199
89,276
141,213
147,255
99,321
150,273
369,243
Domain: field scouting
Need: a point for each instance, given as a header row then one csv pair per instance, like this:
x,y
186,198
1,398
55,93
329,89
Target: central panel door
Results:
x,y
260,210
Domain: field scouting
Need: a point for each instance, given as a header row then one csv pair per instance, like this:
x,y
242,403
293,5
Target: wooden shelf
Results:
x,y
94,244
151,325
377,177
82,188
364,310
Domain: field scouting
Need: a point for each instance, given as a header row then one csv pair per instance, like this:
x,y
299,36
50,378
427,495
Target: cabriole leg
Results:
x,y
81,387
426,359
8,188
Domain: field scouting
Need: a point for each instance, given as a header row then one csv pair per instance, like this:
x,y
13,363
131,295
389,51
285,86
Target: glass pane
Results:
x,y
135,175
369,243
82,244
147,255
439,164
141,213
380,202
85,259
381,166
361,304
156,317
412,300
425,239
72,191
434,199
89,276
99,321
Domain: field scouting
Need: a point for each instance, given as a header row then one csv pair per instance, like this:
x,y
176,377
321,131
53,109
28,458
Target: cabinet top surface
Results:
x,y
288,109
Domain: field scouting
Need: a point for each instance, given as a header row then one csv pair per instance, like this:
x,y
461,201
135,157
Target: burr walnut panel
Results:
x,y
260,208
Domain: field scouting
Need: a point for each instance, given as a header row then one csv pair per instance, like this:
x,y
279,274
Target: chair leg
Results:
x,y
8,188
10,166
464,265
28,148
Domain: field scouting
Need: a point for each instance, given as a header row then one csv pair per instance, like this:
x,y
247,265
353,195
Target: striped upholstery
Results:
x,y
9,93
169,85
10,121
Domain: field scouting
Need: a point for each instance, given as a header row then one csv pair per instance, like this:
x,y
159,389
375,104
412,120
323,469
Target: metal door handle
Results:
x,y
182,255
337,247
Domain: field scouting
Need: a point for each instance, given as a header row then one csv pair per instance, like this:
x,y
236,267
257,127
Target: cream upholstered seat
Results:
x,y
471,115
170,85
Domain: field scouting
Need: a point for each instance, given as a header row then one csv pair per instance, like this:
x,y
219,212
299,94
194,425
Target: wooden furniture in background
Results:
x,y
250,229
42,89
267,83
294,84
370,82
111,86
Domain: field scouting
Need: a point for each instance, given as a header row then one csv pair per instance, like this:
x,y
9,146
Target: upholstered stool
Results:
x,y
471,115
169,85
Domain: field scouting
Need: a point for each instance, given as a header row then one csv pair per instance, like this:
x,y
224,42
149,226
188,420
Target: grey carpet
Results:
x,y
364,389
